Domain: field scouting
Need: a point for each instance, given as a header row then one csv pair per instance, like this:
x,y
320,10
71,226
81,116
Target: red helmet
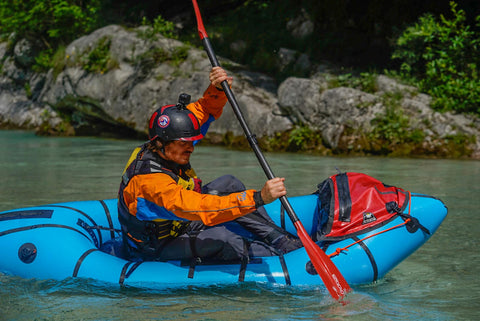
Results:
x,y
174,122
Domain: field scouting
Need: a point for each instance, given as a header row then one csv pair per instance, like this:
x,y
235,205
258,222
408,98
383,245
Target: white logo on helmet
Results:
x,y
163,121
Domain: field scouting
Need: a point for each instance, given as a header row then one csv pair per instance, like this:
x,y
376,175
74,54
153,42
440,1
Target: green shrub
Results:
x,y
179,55
155,56
392,132
58,61
391,127
366,81
48,24
303,138
99,59
159,26
50,21
47,59
443,55
164,27
300,138
43,60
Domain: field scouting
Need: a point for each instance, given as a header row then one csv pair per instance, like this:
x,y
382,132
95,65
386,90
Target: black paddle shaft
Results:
x,y
331,276
252,139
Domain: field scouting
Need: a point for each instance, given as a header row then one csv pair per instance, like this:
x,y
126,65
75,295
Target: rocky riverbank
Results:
x,y
109,82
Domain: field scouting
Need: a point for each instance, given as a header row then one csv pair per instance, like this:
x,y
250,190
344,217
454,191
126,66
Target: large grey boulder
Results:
x,y
309,102
333,111
114,78
130,92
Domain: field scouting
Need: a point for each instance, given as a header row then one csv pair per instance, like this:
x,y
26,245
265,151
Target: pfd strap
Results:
x,y
195,257
279,230
244,261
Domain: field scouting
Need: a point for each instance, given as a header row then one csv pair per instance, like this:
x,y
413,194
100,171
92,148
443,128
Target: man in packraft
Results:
x,y
166,213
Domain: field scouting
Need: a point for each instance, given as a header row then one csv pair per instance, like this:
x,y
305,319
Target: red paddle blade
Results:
x,y
331,276
201,29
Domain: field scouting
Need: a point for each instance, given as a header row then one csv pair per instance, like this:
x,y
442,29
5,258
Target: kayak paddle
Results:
x,y
331,276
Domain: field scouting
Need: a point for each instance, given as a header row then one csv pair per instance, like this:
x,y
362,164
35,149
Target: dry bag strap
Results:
x,y
244,261
344,198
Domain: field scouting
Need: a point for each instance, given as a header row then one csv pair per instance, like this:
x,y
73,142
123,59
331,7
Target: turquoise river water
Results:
x,y
441,281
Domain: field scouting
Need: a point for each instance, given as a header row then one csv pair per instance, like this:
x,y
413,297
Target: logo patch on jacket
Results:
x,y
242,196
368,217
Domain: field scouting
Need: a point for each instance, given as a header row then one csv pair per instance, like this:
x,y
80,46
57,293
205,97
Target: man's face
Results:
x,y
179,151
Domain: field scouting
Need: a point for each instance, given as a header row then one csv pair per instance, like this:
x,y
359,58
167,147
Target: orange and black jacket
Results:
x,y
158,198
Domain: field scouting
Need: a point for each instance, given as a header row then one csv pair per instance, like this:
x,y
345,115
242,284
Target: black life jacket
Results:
x,y
148,237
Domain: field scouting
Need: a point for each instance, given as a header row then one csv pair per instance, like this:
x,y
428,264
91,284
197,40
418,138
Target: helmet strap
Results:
x,y
157,145
162,148
163,144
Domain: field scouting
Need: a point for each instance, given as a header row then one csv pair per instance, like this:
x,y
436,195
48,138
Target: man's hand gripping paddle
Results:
x,y
331,277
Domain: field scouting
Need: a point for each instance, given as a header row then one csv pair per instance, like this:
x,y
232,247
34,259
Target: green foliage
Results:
x,y
179,55
50,21
159,26
392,131
366,81
164,27
47,59
300,138
99,59
444,56
28,90
155,56
58,61
48,24
43,60
303,138
391,127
